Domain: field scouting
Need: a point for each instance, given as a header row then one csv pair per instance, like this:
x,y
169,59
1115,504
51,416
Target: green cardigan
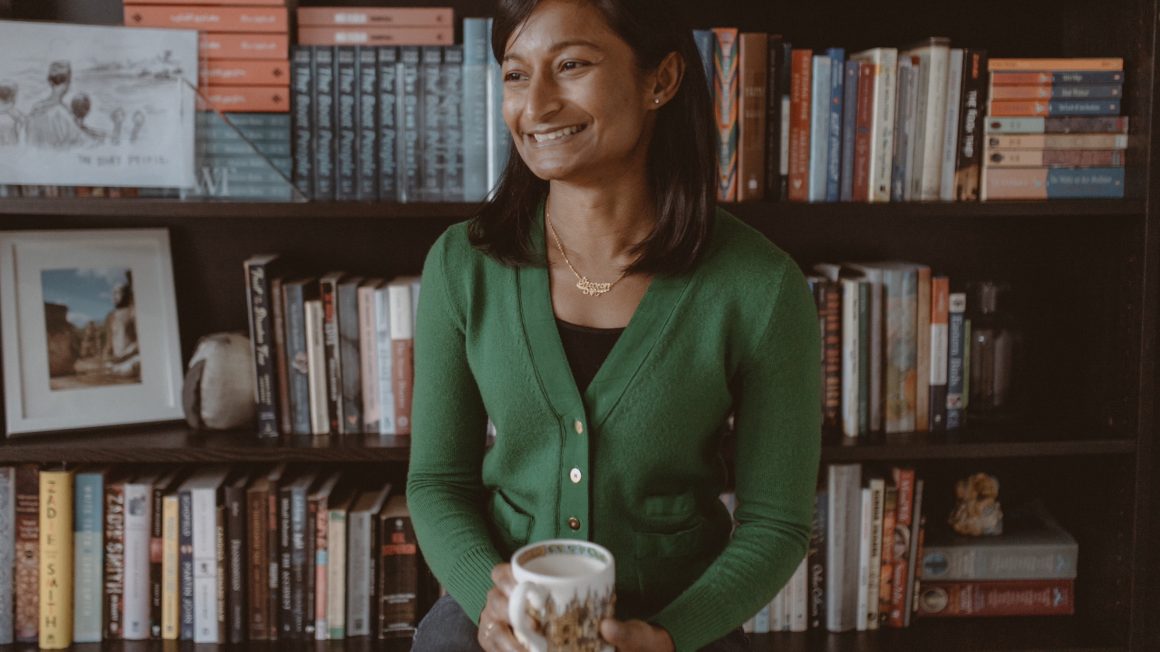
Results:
x,y
634,462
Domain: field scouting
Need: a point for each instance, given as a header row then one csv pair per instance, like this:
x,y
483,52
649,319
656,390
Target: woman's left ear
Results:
x,y
667,78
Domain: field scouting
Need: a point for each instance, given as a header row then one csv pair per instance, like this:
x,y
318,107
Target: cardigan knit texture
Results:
x,y
634,462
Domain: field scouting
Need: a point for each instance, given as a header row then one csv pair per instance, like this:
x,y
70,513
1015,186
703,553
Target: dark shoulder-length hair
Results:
x,y
681,158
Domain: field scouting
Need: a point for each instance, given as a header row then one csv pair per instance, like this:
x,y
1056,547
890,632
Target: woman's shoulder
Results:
x,y
454,251
739,249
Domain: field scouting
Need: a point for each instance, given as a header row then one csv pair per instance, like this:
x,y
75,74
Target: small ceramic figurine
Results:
x,y
977,511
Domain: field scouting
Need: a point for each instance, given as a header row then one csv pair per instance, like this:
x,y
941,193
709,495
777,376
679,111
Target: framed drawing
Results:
x,y
89,329
84,105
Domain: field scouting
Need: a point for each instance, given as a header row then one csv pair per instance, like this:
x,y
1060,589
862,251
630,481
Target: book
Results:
x,y
801,89
136,603
474,105
1000,108
1057,125
835,98
1056,141
1002,598
328,291
950,145
56,558
338,505
885,74
402,16
1103,64
375,36
316,366
1053,183
114,524
1076,77
88,549
397,572
323,123
8,551
165,485
170,568
932,57
360,559
1039,158
203,490
302,113
968,162
1056,92
259,270
224,45
367,125
842,534
726,81
402,351
819,129
753,65
244,72
345,123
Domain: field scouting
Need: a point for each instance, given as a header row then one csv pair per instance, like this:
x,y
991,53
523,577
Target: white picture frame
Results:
x,y
66,366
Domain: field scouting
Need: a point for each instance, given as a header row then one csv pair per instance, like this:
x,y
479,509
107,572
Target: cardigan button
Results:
x,y
575,476
579,427
574,523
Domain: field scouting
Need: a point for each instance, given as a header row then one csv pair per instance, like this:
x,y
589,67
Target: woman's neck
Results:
x,y
600,226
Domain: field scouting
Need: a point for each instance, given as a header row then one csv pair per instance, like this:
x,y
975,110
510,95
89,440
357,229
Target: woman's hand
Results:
x,y
495,631
635,636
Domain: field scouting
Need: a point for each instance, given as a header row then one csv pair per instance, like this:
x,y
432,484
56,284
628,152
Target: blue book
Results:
x,y
849,126
409,96
834,145
819,127
475,57
323,123
499,140
88,555
451,123
956,358
367,125
430,124
388,107
295,294
346,123
704,40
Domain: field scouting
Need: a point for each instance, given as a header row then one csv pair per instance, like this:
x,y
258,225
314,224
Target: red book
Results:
x,y
863,132
247,99
244,72
997,598
359,35
218,45
904,519
376,16
799,124
209,19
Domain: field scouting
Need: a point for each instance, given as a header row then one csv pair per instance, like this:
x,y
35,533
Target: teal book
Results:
x,y
88,557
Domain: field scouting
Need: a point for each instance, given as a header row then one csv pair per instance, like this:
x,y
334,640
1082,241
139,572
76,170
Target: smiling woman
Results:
x,y
608,318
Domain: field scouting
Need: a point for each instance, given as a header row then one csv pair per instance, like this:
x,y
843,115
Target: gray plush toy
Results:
x,y
219,386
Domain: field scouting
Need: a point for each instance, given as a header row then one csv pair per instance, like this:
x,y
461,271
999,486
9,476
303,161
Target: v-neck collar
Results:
x,y
639,338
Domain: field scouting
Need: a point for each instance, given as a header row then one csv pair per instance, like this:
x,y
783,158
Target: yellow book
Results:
x,y
169,568
56,559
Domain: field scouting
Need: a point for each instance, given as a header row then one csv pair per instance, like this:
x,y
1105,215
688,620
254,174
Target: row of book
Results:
x,y
894,348
873,562
242,49
1078,103
333,354
886,124
204,554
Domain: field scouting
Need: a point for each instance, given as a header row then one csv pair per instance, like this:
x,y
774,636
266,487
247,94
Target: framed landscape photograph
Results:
x,y
89,326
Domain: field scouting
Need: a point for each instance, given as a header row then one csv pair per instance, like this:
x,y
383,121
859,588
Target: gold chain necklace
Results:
x,y
589,288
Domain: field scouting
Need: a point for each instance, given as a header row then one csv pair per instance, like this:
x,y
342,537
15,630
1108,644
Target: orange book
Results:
x,y
1051,92
247,99
753,69
215,45
209,19
799,124
1045,65
244,72
1005,78
375,16
376,35
1001,108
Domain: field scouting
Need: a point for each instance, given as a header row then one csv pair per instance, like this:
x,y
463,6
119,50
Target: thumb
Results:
x,y
615,632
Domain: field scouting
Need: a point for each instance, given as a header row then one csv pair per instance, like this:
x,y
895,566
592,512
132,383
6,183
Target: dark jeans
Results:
x,y
447,628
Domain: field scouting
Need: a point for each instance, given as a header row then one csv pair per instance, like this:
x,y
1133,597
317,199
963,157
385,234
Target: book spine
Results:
x,y
328,289
170,572
939,335
261,331
56,559
863,133
956,356
1093,64
843,482
903,122
138,505
851,311
8,552
819,127
409,97
285,585
387,410
281,363
336,581
348,349
252,99
358,596
88,546
834,96
831,313
451,123
850,107
914,568
785,80
27,552
416,16
1036,158
388,117
931,116
298,562
346,123
1077,77
968,164
499,143
273,573
368,359
402,350
474,107
886,566
431,163
316,363
203,510
865,290
904,481
799,128
114,560
726,82
751,141
922,350
861,622
949,150
1053,183
234,500
322,559
1009,598
886,82
999,108
775,62
309,542
816,562
322,91
1057,125
257,576
1057,141
367,146
294,300
216,19
243,72
185,561
1053,92
222,45
376,36
221,558
1000,562
399,570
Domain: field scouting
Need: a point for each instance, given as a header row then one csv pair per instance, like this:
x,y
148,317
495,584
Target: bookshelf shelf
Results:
x,y
971,444
772,211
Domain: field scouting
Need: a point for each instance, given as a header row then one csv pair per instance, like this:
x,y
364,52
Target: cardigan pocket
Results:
x,y
672,536
511,525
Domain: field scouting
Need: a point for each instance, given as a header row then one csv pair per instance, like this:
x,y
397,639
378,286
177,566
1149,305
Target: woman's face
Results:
x,y
577,106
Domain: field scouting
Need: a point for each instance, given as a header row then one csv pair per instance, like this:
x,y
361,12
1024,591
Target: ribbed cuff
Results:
x,y
692,625
471,580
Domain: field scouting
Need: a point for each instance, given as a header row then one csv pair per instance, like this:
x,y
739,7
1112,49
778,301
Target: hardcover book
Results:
x,y
726,79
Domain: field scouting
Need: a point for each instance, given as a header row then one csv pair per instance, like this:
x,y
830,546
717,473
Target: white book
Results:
x,y
336,570
369,354
861,622
877,503
930,117
138,521
843,485
877,325
316,363
851,393
761,621
950,150
799,604
401,296
360,563
203,488
776,611
385,364
819,126
885,62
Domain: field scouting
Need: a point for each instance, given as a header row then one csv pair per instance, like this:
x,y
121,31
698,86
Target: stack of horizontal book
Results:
x,y
376,26
1028,570
1054,129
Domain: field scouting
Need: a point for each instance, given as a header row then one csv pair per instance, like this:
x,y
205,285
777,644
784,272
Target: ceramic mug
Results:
x,y
567,587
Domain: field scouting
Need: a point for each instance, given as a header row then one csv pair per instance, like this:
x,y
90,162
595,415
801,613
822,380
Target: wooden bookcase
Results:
x,y
1085,272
